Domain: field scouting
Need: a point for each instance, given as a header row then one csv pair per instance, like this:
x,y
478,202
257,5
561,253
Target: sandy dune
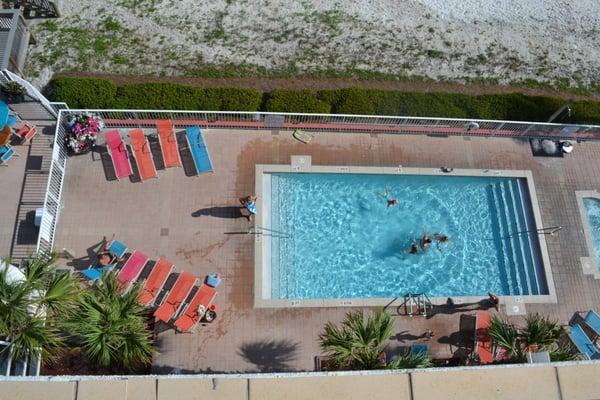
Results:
x,y
544,40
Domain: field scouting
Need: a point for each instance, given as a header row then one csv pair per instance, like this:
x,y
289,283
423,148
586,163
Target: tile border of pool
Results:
x,y
262,282
589,264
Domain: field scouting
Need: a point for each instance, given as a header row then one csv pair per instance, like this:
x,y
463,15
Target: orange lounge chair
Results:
x,y
142,154
483,342
182,288
156,280
203,297
168,143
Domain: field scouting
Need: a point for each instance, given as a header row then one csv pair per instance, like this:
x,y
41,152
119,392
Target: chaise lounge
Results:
x,y
198,149
118,154
178,293
132,269
142,154
168,143
196,308
156,281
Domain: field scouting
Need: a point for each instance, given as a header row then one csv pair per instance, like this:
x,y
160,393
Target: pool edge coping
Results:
x,y
259,266
589,264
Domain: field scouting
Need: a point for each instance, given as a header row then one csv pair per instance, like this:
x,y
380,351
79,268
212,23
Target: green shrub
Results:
x,y
354,101
100,93
585,112
415,104
83,92
301,101
161,96
240,99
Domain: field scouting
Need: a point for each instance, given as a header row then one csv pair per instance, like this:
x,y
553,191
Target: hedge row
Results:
x,y
101,93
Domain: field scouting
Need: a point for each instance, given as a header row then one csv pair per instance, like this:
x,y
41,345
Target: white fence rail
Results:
x,y
53,191
32,91
279,121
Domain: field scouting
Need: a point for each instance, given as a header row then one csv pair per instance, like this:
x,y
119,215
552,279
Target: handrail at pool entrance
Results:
x,y
551,230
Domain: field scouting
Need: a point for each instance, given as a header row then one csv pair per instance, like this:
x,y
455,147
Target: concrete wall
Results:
x,y
560,381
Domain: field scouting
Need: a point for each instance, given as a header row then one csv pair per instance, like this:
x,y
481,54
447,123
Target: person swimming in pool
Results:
x,y
387,195
425,242
414,249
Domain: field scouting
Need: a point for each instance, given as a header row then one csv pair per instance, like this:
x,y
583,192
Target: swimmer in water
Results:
x,y
391,200
425,242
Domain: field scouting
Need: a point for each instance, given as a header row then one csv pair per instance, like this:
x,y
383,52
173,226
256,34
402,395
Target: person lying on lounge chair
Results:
x,y
105,257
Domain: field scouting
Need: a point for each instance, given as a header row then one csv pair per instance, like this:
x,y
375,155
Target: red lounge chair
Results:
x,y
142,154
483,342
168,143
156,280
182,288
25,131
203,297
132,268
118,153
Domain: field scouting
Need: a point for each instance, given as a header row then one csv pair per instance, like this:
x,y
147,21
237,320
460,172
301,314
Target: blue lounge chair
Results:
x,y
198,149
419,348
592,319
94,273
117,248
11,120
583,343
6,153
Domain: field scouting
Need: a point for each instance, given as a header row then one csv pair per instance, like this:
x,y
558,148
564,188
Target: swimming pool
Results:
x,y
332,236
592,208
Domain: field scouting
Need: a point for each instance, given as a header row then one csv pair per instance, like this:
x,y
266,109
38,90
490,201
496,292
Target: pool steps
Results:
x,y
521,260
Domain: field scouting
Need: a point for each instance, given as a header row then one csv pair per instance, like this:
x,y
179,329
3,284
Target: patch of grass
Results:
x,y
100,45
110,24
119,59
218,32
50,26
435,54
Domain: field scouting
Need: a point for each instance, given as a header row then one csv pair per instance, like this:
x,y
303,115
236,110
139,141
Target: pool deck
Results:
x,y
195,222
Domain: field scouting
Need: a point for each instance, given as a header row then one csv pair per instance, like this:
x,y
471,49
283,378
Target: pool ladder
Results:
x,y
416,303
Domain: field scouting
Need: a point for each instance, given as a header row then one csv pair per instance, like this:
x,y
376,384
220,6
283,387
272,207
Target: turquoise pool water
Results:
x,y
592,209
333,236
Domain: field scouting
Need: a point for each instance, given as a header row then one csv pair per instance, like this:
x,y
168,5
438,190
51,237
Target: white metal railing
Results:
x,y
32,91
348,123
266,120
53,194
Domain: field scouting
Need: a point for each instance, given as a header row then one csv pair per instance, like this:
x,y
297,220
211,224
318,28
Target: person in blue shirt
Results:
x,y
249,203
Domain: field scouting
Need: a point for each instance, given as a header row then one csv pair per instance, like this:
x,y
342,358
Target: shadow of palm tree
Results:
x,y
270,355
219,212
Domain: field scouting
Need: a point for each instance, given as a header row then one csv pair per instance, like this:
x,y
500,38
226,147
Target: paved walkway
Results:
x,y
193,221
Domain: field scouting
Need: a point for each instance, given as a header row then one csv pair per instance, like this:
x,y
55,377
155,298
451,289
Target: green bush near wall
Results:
x,y
100,93
83,92
286,100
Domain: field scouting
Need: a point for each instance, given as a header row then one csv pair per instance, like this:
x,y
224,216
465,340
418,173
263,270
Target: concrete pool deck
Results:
x,y
303,164
196,223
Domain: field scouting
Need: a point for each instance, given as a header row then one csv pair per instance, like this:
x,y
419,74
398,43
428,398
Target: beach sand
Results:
x,y
458,40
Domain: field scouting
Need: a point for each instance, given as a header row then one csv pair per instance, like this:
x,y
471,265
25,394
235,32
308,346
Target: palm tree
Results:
x,y
359,342
35,303
540,332
110,326
506,335
410,360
